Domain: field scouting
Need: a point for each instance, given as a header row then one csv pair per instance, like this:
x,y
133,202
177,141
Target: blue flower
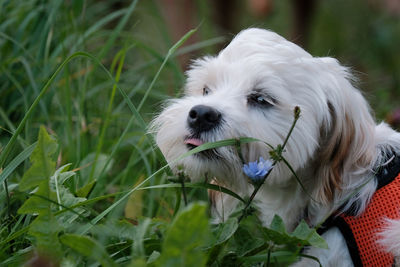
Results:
x,y
256,171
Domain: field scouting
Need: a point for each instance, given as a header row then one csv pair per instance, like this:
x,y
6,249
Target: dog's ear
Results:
x,y
347,136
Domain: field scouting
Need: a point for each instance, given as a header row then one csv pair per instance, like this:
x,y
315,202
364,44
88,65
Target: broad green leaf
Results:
x,y
67,199
37,203
43,164
153,257
304,232
302,235
85,190
278,225
246,242
317,241
60,176
223,231
278,237
63,196
87,247
45,227
186,236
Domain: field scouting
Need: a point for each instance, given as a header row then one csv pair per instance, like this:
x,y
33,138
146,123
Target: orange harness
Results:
x,y
385,203
361,232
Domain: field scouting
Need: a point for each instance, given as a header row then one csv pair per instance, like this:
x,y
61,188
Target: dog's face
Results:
x,y
250,90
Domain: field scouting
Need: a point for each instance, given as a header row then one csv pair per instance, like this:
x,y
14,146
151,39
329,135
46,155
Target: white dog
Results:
x,y
250,89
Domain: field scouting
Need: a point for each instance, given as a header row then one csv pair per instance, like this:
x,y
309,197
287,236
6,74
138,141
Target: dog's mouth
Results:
x,y
192,142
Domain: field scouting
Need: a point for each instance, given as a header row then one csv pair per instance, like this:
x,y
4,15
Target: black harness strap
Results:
x,y
386,174
344,228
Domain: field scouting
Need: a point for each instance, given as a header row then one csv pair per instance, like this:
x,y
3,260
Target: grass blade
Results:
x,y
4,154
16,162
117,30
171,51
196,185
108,113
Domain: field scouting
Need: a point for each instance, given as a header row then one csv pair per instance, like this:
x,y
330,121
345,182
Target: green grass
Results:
x,y
94,73
90,108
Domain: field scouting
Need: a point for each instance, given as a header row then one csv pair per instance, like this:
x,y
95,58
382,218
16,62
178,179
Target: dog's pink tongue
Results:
x,y
193,141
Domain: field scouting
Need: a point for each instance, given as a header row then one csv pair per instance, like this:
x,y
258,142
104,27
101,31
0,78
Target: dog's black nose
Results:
x,y
202,118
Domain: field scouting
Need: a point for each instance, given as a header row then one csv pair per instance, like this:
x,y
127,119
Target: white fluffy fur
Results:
x,y
334,147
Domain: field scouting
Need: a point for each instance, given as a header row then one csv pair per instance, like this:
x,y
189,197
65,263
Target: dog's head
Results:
x,y
250,89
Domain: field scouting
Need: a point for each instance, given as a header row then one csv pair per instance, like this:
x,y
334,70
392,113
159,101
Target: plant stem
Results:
x,y
269,257
182,181
107,117
278,153
184,193
296,117
250,200
5,184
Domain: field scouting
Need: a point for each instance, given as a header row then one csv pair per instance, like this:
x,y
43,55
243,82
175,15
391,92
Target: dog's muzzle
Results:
x,y
203,118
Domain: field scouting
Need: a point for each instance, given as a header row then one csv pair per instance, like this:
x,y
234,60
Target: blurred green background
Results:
x,y
91,119
36,36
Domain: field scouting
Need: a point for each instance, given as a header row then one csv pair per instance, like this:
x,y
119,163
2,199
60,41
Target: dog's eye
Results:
x,y
260,100
206,91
